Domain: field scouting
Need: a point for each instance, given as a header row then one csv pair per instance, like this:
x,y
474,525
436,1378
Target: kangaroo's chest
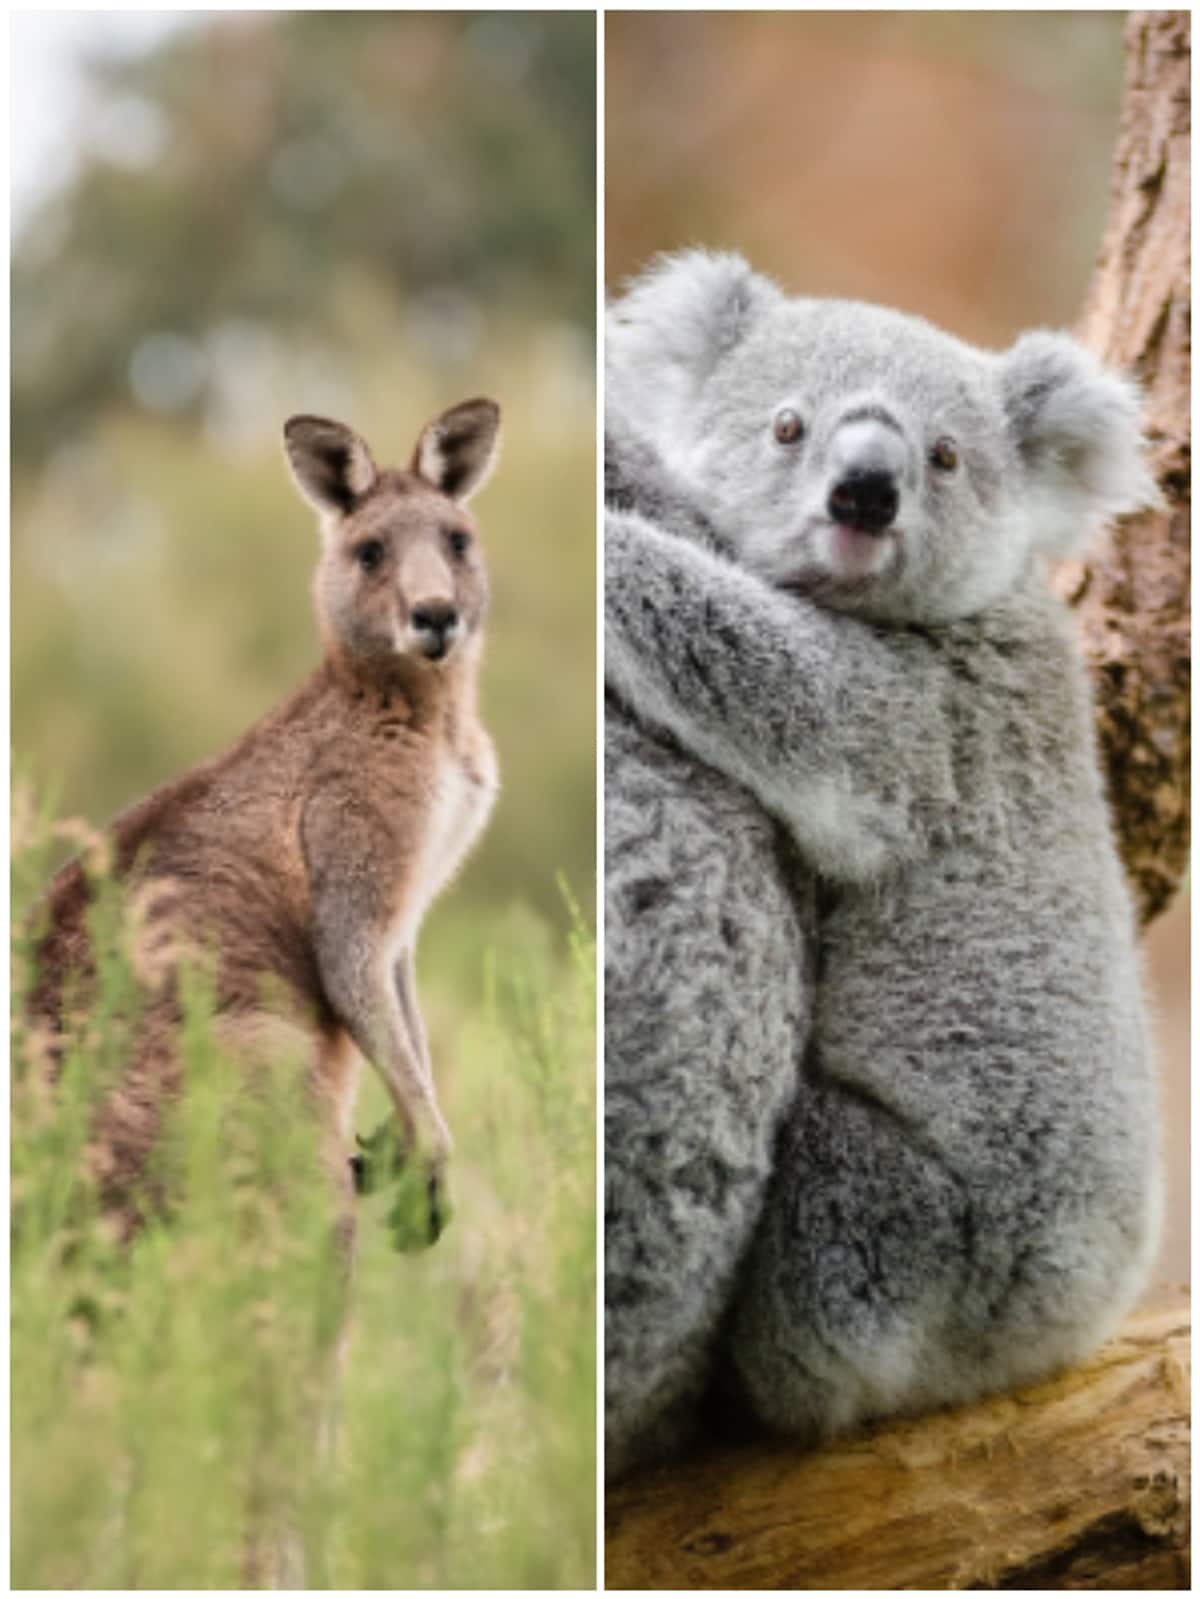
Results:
x,y
462,792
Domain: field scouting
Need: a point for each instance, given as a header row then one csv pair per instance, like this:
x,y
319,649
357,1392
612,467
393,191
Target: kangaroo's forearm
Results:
x,y
406,994
361,988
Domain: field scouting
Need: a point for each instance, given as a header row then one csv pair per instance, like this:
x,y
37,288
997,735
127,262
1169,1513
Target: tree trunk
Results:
x,y
1133,596
1081,1482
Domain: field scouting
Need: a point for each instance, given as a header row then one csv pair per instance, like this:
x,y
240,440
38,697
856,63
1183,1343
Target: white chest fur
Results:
x,y
461,801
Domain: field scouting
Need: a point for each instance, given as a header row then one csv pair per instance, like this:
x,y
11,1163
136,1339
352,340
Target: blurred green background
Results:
x,y
954,164
366,214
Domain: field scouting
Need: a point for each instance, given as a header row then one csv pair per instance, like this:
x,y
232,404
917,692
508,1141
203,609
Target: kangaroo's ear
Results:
x,y
668,331
457,450
331,464
1077,428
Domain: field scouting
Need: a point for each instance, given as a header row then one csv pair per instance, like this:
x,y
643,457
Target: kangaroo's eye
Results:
x,y
458,541
369,554
944,455
789,429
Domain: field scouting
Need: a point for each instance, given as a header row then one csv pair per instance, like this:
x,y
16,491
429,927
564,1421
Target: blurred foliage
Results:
x,y
367,214
246,164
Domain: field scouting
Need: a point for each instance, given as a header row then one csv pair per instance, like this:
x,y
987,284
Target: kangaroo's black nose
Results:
x,y
867,501
437,616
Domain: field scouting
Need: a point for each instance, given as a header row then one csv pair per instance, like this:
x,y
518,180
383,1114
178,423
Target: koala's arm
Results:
x,y
841,731
637,479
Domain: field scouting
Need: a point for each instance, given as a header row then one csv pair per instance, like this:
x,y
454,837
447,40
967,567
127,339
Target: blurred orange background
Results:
x,y
953,164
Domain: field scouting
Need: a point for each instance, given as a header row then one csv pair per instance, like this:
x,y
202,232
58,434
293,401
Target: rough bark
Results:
x,y
1081,1482
1133,597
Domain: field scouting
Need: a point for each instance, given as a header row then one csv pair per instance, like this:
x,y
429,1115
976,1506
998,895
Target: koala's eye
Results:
x,y
458,541
789,429
944,455
369,554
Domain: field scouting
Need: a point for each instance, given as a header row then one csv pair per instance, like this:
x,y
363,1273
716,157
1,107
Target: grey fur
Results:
x,y
700,919
965,1193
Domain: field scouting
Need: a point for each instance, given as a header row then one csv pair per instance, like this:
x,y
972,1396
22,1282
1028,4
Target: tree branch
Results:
x,y
1081,1482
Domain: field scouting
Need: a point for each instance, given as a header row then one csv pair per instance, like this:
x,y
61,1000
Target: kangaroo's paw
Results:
x,y
421,1208
381,1158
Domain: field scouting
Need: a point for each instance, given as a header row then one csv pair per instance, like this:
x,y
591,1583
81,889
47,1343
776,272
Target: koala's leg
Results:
x,y
847,1303
707,1002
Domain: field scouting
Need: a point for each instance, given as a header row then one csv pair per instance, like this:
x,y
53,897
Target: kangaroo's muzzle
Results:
x,y
435,628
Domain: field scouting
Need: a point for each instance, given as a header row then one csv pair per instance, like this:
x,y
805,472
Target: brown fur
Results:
x,y
302,860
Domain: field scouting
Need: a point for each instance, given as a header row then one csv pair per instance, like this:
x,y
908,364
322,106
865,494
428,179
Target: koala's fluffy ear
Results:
x,y
669,330
457,450
331,464
1077,427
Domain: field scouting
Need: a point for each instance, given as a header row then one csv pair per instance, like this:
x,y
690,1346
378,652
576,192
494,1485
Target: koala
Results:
x,y
964,1190
706,910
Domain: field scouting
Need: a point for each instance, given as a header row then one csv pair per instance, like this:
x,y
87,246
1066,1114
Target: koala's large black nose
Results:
x,y
867,501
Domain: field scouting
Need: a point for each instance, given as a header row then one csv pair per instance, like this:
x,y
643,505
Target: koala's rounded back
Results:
x,y
708,989
707,995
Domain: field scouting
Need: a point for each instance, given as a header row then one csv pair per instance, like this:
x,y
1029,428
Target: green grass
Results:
x,y
166,1394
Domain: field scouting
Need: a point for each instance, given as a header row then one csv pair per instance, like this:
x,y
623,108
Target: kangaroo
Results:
x,y
303,860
